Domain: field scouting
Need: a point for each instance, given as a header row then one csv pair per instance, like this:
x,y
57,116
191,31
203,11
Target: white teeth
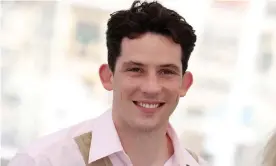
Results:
x,y
145,105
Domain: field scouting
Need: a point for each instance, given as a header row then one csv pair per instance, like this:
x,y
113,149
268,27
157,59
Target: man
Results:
x,y
148,51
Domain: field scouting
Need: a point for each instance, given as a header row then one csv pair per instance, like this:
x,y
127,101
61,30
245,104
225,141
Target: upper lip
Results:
x,y
149,102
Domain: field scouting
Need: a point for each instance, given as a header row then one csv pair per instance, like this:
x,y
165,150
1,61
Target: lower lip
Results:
x,y
148,110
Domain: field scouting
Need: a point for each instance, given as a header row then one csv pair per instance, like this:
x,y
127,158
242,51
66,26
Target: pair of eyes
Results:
x,y
161,71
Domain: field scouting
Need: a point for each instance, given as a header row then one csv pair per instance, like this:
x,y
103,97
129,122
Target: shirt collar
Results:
x,y
182,156
105,141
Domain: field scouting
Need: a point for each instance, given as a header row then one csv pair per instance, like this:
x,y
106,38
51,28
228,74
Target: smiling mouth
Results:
x,y
148,105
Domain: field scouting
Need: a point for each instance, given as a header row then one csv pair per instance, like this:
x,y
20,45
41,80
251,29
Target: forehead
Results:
x,y
150,49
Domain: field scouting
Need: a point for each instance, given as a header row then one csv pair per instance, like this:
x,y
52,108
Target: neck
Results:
x,y
146,147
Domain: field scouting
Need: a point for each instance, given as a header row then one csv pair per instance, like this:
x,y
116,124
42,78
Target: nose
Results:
x,y
151,86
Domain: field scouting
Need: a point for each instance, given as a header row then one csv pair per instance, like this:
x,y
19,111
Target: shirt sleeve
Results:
x,y
26,160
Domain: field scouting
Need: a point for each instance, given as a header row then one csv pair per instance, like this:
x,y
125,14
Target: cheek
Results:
x,y
173,96
129,82
173,91
173,86
126,86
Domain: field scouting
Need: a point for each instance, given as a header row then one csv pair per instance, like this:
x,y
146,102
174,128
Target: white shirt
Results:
x,y
60,148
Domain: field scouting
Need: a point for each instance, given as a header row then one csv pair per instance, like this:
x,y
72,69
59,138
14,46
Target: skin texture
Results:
x,y
148,71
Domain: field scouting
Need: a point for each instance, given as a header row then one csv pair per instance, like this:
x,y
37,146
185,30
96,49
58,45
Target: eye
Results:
x,y
134,69
167,71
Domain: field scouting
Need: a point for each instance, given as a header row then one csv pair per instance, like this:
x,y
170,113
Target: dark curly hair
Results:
x,y
148,17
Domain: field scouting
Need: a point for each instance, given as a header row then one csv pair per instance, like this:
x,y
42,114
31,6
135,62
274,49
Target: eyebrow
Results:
x,y
133,63
162,66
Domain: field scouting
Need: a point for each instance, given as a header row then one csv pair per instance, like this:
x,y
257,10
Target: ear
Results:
x,y
106,77
186,83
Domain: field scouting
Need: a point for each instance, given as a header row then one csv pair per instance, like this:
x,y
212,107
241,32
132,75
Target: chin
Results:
x,y
147,125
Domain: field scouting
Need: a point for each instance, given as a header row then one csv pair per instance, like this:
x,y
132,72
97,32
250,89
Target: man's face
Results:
x,y
147,82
